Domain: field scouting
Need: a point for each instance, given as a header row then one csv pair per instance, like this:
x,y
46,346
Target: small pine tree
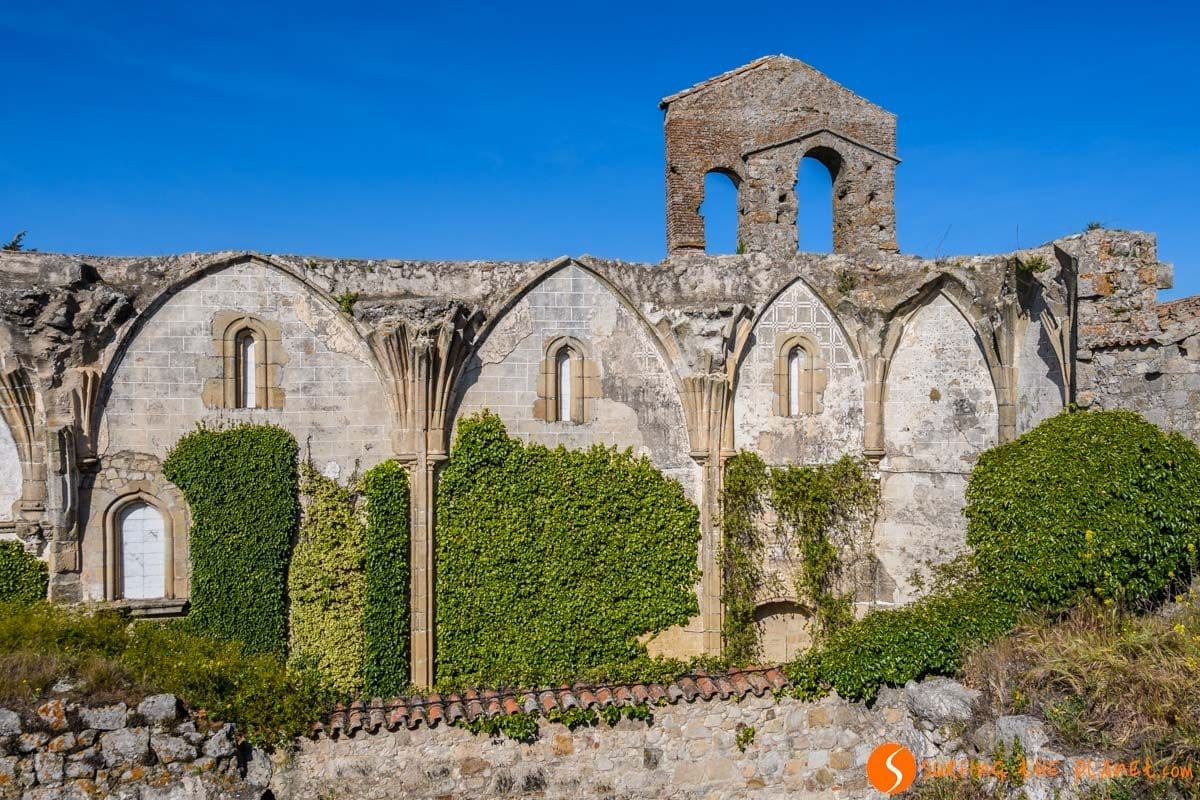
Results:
x,y
15,244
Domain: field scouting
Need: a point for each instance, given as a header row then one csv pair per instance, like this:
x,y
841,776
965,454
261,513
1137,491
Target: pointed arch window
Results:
x,y
252,359
246,369
800,376
569,383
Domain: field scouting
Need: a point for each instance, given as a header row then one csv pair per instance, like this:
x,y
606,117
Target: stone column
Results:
x,y
424,360
707,402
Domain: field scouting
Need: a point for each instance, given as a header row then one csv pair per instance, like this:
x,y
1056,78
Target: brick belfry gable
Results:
x,y
755,124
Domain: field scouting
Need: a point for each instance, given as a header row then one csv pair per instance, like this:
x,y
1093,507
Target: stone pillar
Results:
x,y
873,431
424,360
18,405
708,406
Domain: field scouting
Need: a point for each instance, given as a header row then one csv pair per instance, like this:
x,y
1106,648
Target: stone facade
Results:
x,y
918,365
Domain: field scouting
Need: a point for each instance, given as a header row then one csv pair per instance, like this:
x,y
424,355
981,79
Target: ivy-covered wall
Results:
x,y
348,582
23,577
554,561
817,522
385,615
241,486
326,585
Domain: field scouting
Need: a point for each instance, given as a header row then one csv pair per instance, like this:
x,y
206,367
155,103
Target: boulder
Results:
x,y
160,709
105,718
941,701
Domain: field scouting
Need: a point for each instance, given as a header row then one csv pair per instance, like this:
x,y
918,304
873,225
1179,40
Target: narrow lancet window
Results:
x,y
795,371
247,371
563,387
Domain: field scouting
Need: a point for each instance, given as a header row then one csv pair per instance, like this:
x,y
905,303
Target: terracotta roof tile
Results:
x,y
434,708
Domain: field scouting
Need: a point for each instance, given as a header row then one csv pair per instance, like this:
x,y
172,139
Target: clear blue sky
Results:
x,y
506,131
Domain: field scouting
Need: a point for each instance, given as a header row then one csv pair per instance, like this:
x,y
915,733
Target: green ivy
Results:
x,y
326,586
385,621
23,577
1095,502
824,511
553,561
241,486
1087,503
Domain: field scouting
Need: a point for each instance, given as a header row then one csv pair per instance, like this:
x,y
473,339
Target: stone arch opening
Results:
x,y
816,199
720,212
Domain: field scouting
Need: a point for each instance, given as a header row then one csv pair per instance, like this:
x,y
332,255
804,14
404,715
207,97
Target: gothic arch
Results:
x,y
204,269
835,428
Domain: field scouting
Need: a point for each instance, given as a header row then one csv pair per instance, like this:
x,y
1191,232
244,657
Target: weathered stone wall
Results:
x,y
939,415
152,752
10,472
638,405
836,428
688,750
333,402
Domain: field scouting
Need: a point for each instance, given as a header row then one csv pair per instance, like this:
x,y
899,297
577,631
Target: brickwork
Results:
x,y
755,124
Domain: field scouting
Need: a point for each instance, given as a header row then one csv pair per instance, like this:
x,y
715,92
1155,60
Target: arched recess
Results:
x,y
159,384
835,426
784,630
940,412
816,177
11,475
720,210
636,400
124,480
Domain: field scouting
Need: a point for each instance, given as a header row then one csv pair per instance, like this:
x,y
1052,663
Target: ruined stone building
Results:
x,y
917,364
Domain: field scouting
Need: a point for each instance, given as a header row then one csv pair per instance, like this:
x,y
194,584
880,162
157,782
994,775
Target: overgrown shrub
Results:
x,y
270,703
1096,502
894,646
241,486
326,585
23,577
385,618
105,659
553,561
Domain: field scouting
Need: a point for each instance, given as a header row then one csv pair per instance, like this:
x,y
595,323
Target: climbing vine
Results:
x,y
23,577
817,517
551,562
326,585
241,486
385,621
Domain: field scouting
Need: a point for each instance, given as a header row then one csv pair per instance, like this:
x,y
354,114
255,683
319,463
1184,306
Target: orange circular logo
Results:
x,y
891,768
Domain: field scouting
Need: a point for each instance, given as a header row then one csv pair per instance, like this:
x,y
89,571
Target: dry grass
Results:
x,y
1103,679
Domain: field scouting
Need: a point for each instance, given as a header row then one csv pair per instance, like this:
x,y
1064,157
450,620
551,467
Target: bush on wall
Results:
x,y
241,486
326,586
553,561
1098,502
385,619
23,576
1101,502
